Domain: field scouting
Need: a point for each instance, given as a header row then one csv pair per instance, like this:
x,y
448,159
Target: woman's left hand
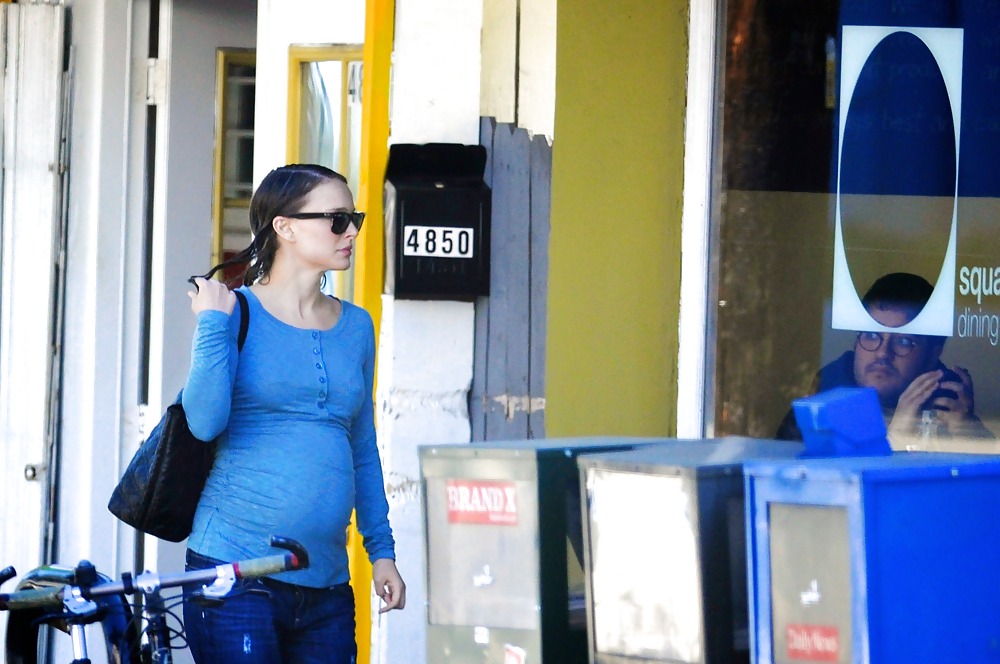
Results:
x,y
388,584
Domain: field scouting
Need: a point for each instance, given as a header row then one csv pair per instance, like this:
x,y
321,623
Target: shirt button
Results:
x,y
315,335
319,404
315,351
322,380
319,366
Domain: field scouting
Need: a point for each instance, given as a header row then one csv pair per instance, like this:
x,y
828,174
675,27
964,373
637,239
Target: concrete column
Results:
x,y
425,348
424,376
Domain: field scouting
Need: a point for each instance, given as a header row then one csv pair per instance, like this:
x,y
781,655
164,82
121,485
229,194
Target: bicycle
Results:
x,y
69,599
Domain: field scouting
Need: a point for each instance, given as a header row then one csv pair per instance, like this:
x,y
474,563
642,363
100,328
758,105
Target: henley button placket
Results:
x,y
320,403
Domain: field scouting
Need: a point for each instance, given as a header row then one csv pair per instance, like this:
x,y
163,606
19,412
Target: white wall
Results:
x,y
519,63
536,90
436,69
497,96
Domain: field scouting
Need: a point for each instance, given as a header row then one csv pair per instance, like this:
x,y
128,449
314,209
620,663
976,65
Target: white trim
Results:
x,y
91,425
693,329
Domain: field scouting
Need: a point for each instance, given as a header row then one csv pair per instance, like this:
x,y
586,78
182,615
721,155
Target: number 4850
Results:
x,y
438,241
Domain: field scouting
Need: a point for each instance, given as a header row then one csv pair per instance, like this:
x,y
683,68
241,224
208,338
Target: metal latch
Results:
x,y
34,471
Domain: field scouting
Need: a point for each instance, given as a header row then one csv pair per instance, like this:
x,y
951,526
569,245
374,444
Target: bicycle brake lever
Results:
x,y
224,581
296,549
76,604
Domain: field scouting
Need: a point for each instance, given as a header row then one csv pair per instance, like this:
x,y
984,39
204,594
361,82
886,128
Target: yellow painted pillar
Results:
x,y
369,268
617,184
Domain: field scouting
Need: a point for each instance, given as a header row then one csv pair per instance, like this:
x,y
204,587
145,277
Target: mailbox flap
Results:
x,y
435,161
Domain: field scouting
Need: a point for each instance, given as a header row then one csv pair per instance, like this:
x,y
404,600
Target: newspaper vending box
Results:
x,y
664,543
503,540
874,560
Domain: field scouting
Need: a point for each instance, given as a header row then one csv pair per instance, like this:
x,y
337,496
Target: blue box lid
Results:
x,y
896,466
844,421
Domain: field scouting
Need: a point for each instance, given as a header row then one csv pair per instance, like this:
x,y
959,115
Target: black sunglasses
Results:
x,y
339,220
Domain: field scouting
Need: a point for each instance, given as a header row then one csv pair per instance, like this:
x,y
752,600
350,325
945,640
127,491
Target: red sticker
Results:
x,y
813,643
492,503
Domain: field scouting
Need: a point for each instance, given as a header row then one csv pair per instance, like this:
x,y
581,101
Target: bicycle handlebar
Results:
x,y
29,599
296,558
6,574
148,583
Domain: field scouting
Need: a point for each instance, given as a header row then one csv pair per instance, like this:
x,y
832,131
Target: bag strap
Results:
x,y
244,319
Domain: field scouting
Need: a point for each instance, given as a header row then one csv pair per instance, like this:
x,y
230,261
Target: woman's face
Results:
x,y
312,239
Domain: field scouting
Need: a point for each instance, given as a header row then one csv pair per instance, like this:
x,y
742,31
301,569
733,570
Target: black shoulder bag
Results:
x,y
159,491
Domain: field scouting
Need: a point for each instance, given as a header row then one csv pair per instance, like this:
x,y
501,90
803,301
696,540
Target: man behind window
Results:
x,y
918,393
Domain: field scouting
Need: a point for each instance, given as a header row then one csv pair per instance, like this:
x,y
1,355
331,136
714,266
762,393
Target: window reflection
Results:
x,y
330,132
885,176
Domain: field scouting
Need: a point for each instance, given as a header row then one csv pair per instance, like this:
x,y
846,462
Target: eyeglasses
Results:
x,y
339,220
899,346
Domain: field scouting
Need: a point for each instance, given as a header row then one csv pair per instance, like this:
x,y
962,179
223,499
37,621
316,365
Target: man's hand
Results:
x,y
952,412
388,584
911,402
956,411
211,294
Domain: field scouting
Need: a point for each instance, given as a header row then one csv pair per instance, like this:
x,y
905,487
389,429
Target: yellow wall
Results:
x,y
614,275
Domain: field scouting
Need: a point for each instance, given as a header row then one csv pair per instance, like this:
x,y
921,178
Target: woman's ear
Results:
x,y
283,227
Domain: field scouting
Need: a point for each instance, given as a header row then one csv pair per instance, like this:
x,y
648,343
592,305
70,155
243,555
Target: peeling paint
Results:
x,y
401,488
512,405
454,402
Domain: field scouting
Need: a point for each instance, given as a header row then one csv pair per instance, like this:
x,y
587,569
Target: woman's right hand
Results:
x,y
211,295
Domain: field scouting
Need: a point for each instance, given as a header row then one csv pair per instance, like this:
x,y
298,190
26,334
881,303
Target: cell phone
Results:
x,y
949,376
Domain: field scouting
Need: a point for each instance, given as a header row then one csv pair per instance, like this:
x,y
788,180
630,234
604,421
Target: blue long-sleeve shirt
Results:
x,y
296,448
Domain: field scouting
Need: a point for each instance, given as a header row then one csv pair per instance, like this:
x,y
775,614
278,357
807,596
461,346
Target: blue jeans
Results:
x,y
263,621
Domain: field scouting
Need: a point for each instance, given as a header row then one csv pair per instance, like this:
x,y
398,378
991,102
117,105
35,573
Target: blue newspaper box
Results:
x,y
875,559
665,553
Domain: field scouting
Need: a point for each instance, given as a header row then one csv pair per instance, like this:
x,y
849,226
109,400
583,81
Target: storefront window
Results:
x,y
325,123
858,141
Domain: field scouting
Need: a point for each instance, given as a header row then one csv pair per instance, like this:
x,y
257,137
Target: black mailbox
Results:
x,y
437,215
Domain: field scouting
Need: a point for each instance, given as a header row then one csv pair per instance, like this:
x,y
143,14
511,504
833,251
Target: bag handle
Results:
x,y
244,319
